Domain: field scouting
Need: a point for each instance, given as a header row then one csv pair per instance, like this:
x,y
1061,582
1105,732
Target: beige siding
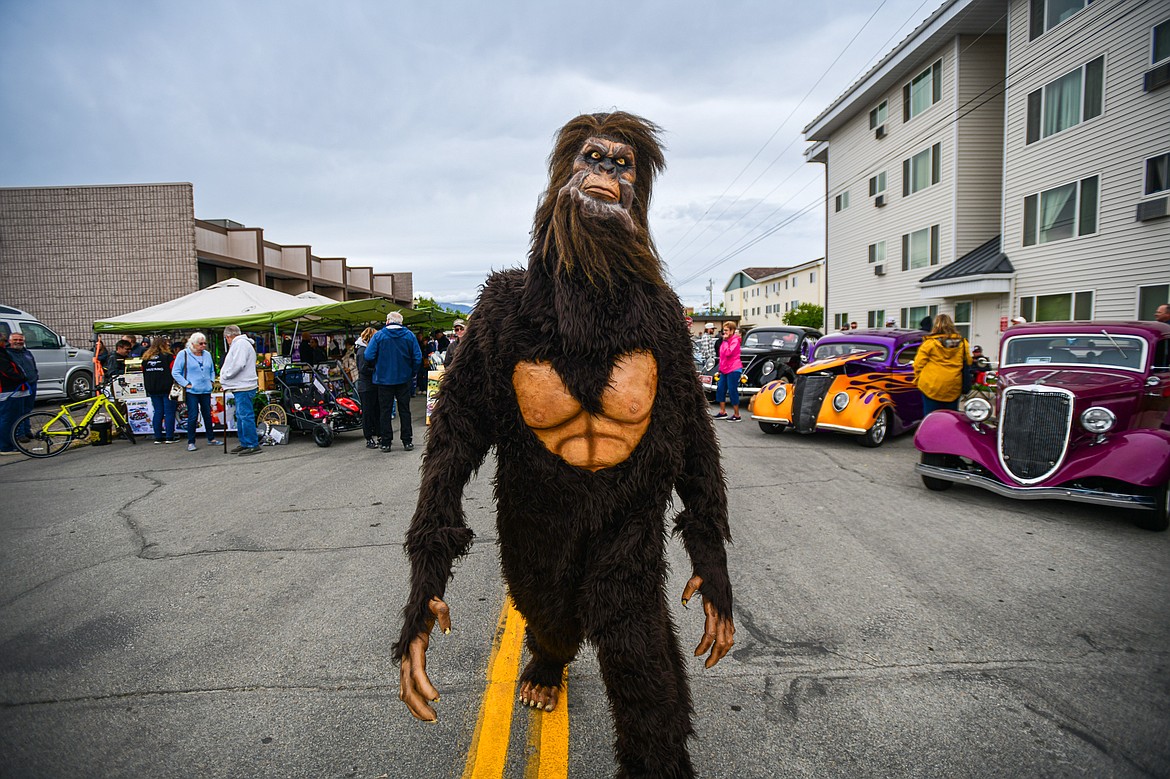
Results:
x,y
979,138
1124,253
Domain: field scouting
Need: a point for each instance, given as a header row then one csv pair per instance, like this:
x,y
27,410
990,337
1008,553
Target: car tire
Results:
x,y
773,428
1158,519
79,386
931,483
879,431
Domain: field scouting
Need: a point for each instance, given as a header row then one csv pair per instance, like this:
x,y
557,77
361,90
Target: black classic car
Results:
x,y
769,353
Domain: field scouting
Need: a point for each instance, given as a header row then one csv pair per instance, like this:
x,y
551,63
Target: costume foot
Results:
x,y
538,696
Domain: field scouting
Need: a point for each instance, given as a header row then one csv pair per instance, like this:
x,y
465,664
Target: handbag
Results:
x,y
178,393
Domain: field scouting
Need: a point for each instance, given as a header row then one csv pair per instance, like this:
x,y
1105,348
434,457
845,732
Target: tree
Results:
x,y
806,315
422,303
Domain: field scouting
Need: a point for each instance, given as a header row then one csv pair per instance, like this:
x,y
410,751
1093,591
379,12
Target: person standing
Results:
x,y
138,349
939,365
1163,313
157,380
115,364
28,363
708,342
12,385
457,330
238,376
396,357
730,369
194,370
367,392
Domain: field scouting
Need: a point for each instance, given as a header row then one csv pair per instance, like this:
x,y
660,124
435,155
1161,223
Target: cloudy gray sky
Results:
x,y
412,136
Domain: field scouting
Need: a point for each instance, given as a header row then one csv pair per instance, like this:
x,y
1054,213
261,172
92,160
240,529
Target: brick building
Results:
x,y
72,255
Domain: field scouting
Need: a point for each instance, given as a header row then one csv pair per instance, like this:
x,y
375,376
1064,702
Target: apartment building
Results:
x,y
1008,157
72,255
913,155
761,296
1087,158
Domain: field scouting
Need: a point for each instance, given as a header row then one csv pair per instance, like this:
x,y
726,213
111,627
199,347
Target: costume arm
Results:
x,y
457,442
702,524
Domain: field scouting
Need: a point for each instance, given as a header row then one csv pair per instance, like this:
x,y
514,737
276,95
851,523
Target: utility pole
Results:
x,y
710,299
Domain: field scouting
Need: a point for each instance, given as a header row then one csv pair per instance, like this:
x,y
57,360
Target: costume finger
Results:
x,y
724,630
442,613
408,695
692,587
418,667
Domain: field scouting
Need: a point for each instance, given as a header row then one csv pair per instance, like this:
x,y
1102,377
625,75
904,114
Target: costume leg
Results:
x,y
641,664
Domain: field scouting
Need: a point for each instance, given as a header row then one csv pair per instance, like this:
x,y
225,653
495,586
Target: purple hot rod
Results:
x,y
1081,412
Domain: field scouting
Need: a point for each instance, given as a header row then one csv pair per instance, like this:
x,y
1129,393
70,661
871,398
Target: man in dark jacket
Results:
x,y
395,355
28,364
116,361
12,383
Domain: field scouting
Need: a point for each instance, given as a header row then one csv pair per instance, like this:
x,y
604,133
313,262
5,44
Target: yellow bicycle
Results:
x,y
51,433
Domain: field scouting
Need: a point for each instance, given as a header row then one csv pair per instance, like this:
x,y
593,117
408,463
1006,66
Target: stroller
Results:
x,y
318,399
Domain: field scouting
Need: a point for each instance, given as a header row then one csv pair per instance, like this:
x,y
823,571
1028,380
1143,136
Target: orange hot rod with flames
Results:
x,y
860,383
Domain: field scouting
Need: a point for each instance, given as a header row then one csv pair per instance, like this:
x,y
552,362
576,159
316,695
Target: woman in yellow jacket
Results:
x,y
939,364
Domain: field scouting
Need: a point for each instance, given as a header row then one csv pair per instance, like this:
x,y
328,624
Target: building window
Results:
x,y
1061,212
842,201
877,184
840,321
912,317
963,318
1150,297
876,318
794,280
812,277
1158,174
1057,308
1161,43
1046,14
922,170
877,117
1075,97
920,248
877,252
923,91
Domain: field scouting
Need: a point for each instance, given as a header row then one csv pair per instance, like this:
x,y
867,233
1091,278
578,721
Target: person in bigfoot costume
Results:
x,y
579,372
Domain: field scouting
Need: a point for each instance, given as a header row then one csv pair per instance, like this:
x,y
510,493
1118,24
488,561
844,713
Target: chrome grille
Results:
x,y
806,402
1033,432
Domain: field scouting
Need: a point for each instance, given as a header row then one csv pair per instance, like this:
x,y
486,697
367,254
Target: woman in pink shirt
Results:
x,y
730,369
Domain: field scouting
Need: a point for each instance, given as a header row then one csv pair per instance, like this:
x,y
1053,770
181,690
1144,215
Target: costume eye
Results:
x,y
594,155
621,161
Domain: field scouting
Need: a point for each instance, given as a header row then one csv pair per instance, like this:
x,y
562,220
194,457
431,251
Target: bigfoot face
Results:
x,y
603,179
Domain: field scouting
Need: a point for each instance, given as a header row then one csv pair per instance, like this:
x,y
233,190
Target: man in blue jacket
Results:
x,y
394,353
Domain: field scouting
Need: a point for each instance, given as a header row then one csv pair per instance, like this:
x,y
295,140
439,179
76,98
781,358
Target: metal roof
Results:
x,y
978,262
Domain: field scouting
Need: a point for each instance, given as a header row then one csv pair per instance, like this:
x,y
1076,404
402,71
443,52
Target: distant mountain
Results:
x,y
455,307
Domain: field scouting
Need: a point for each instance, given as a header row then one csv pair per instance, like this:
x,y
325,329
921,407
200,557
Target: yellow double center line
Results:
x,y
548,732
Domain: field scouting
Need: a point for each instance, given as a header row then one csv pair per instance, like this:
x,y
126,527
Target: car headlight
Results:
x,y
1098,420
840,401
779,394
709,365
767,368
977,409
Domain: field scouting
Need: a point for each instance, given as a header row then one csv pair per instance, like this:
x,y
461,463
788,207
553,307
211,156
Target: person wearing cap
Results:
x,y
457,330
1019,320
891,323
708,342
395,355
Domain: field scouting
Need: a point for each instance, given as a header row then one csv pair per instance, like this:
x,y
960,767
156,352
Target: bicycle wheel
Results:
x,y
49,434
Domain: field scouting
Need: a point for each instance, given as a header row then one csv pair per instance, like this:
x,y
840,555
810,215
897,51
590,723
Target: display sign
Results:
x,y
140,411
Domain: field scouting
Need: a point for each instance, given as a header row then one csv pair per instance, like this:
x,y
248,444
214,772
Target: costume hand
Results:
x,y
414,687
718,630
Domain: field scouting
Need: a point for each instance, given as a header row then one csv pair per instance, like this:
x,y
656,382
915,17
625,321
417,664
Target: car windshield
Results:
x,y
771,340
827,351
1102,350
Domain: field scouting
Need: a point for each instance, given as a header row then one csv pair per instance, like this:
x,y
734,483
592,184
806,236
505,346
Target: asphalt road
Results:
x,y
165,613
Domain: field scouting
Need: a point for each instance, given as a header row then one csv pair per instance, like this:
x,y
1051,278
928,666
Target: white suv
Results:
x,y
63,370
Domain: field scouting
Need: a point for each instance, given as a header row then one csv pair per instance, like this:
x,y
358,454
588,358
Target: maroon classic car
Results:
x,y
1081,412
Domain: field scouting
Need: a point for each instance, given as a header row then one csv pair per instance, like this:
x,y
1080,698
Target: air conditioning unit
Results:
x,y
1157,78
879,201
879,270
880,132
1153,209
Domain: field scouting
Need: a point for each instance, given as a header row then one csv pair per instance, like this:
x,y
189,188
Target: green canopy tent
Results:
x,y
254,308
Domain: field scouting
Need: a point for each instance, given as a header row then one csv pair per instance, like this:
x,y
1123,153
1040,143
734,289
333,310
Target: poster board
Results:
x,y
433,379
140,411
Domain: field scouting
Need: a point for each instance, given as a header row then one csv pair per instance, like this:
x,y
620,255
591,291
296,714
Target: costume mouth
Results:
x,y
602,192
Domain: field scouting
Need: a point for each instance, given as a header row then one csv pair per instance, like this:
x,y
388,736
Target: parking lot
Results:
x,y
166,613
